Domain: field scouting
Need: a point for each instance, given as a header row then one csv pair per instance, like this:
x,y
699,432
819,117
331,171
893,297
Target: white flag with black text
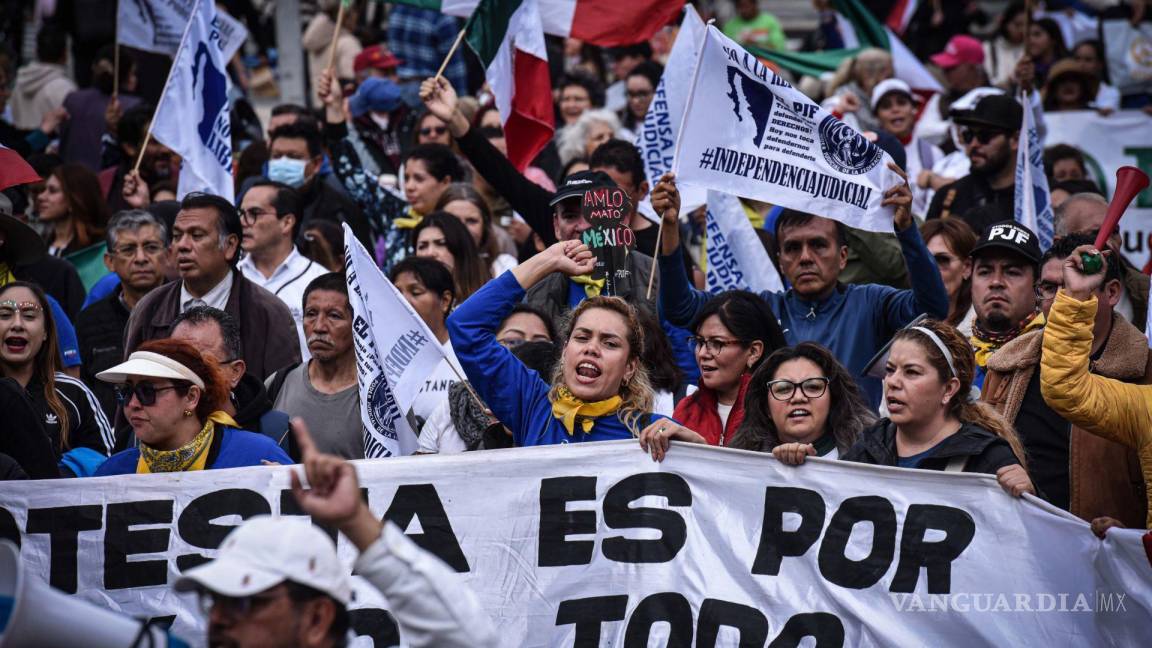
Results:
x,y
158,26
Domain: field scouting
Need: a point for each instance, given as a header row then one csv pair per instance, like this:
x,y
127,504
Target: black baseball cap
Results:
x,y
22,245
577,183
999,111
1009,235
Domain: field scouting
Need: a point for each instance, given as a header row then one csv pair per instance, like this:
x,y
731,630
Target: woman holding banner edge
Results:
x,y
600,390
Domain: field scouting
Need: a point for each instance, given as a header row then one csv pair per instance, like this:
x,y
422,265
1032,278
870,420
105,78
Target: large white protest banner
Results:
x,y
596,545
395,351
737,259
656,137
1033,204
158,26
193,116
748,132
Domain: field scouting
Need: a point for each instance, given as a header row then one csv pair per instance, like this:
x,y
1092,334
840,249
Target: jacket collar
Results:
x,y
169,308
806,306
1124,357
879,442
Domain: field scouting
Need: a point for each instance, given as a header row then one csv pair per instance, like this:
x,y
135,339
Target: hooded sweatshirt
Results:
x,y
40,88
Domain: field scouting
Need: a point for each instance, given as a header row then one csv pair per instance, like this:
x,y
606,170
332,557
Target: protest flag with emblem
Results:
x,y
507,37
14,170
746,131
395,351
1033,205
193,117
737,260
158,25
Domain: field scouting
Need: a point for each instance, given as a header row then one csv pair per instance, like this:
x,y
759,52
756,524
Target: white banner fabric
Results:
x,y
748,132
158,25
737,259
1033,203
596,545
395,352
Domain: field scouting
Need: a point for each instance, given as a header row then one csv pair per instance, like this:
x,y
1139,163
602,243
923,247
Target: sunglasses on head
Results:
x,y
145,392
982,135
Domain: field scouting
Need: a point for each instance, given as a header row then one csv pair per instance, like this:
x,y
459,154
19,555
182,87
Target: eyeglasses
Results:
x,y
639,94
235,606
250,215
984,136
128,252
783,390
29,311
430,130
1046,290
145,393
712,345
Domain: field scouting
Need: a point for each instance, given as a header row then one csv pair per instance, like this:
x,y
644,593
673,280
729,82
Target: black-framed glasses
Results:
x,y
250,215
433,130
236,606
713,345
982,135
145,393
783,390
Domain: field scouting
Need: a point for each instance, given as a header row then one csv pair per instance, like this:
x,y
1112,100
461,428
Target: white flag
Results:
x,y
1033,202
736,258
395,351
748,132
158,26
656,137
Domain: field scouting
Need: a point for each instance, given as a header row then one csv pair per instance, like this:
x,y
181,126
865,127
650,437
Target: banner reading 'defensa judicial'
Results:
x,y
596,545
748,132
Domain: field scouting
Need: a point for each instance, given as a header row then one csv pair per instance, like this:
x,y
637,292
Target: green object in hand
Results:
x,y
1092,263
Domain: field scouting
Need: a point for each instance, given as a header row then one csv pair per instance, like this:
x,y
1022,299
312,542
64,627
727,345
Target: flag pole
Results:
x,y
656,257
116,56
451,52
335,36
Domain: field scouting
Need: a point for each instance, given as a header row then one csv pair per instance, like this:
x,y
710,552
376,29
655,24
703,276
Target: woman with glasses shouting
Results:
x,y
732,334
173,397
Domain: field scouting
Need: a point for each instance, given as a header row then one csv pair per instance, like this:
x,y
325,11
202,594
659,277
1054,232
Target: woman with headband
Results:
x,y
933,423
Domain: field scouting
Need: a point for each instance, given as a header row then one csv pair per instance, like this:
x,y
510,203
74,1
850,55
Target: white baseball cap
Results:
x,y
890,85
266,551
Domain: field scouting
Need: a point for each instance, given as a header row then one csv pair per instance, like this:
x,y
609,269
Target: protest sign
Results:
x,y
609,237
748,132
395,351
158,25
596,545
737,259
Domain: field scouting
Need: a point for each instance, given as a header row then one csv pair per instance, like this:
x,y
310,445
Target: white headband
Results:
x,y
939,345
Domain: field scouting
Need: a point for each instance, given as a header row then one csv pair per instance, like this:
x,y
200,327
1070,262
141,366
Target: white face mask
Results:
x,y
287,170
381,119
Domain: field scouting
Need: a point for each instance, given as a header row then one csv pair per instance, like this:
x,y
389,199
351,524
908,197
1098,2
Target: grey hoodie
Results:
x,y
40,88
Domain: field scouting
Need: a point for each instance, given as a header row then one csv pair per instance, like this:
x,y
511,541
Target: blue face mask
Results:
x,y
287,170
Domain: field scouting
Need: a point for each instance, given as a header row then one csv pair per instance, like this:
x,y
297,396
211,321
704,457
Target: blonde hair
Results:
x,y
635,394
961,406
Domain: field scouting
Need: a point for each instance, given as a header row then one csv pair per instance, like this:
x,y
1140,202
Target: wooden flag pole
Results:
x,y
143,147
656,258
451,52
335,36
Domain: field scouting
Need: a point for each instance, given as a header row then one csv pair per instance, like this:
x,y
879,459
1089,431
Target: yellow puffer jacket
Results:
x,y
1116,411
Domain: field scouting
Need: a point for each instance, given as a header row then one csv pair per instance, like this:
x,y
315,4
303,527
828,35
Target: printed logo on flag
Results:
x,y
215,127
752,98
846,149
382,409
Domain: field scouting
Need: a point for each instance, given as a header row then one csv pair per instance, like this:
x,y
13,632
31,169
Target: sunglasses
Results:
x,y
145,393
981,135
433,130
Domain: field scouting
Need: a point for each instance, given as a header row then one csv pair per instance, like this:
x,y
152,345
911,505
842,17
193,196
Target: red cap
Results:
x,y
960,49
375,57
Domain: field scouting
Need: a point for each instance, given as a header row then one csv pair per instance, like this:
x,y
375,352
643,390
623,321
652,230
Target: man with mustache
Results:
x,y
323,390
1005,268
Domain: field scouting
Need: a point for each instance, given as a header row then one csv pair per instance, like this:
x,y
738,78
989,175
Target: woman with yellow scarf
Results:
x,y
600,389
173,397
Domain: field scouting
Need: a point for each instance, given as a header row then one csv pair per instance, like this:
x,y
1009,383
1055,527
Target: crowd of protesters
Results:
x,y
143,332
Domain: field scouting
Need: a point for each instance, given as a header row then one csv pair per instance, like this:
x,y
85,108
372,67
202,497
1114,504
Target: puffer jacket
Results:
x,y
1108,408
699,412
1103,476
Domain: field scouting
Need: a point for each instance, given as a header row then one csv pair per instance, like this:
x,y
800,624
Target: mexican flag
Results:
x,y
507,38
607,23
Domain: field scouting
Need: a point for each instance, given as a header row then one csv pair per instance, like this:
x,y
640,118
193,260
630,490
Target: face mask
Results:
x,y
287,170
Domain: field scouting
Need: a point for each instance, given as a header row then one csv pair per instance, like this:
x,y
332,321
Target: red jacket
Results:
x,y
699,413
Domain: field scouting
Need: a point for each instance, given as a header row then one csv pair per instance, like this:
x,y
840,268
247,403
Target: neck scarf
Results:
x,y
568,408
985,342
190,456
592,287
6,276
410,221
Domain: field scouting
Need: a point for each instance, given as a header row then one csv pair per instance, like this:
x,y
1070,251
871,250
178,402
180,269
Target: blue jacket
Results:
x,y
854,322
238,449
515,394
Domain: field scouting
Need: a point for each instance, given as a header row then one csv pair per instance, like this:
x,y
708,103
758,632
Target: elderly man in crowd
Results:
x,y
205,247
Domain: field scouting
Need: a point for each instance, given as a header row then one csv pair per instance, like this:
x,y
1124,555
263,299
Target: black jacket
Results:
x,y
87,425
254,410
324,202
974,200
986,452
58,278
24,438
100,334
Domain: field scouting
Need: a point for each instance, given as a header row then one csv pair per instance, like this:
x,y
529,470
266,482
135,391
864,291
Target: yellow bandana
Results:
x,y
985,348
190,456
568,408
592,287
410,221
6,276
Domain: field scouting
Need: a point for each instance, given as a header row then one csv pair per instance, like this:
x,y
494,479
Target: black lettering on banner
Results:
x,y
9,530
63,525
775,542
557,522
165,621
834,562
375,623
714,614
669,607
959,528
195,523
589,615
120,542
422,500
618,514
825,628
